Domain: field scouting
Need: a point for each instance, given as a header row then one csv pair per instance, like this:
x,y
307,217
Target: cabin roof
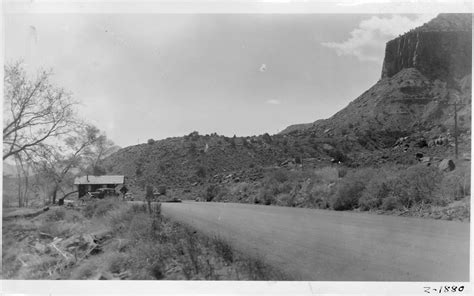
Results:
x,y
106,179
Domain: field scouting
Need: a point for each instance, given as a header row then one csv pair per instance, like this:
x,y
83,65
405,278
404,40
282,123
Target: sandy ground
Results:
x,y
324,245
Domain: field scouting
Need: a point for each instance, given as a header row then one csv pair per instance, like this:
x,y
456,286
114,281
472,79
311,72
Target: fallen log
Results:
x,y
24,213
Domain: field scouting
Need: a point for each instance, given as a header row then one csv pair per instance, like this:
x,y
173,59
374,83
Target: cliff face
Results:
x,y
424,72
437,55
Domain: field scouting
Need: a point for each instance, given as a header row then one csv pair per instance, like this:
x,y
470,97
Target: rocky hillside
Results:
x,y
424,72
199,159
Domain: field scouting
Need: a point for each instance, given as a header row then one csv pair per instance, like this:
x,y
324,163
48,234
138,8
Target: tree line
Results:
x,y
45,137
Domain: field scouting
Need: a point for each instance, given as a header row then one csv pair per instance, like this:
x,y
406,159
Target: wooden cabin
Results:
x,y
90,183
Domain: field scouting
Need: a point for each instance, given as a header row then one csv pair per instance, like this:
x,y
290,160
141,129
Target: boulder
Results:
x,y
419,155
425,159
421,143
40,247
447,165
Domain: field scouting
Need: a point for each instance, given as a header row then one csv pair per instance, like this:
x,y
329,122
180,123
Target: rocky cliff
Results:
x,y
440,49
437,55
424,72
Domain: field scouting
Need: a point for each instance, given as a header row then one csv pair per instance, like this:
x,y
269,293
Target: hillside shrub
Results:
x,y
266,196
456,184
337,155
267,138
279,176
390,203
201,172
350,189
341,172
347,195
211,192
417,185
151,141
161,190
327,174
285,199
377,189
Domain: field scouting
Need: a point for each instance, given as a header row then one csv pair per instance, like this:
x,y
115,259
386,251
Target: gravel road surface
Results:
x,y
321,245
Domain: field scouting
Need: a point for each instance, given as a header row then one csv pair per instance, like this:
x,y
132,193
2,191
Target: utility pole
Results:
x,y
456,104
456,129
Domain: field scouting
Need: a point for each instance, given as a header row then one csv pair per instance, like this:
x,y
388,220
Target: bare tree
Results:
x,y
23,172
34,111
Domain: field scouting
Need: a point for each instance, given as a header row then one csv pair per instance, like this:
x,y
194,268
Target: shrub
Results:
x,y
56,215
223,249
267,138
390,203
222,193
341,172
327,174
318,194
201,172
298,160
116,262
99,208
85,271
350,189
161,190
104,206
337,155
156,271
285,199
417,185
456,185
376,190
280,176
192,148
151,141
60,229
347,195
211,192
266,197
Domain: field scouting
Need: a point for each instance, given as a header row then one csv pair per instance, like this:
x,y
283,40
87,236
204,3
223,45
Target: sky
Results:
x,y
143,76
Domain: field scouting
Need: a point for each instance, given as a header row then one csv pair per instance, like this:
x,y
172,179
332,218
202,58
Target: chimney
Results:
x,y
87,178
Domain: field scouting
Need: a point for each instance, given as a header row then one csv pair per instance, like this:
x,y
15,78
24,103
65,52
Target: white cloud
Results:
x,y
273,102
367,41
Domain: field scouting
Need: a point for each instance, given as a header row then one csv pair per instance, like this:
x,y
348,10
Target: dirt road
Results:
x,y
328,246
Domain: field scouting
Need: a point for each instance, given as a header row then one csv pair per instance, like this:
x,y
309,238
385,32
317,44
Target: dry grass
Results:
x,y
138,245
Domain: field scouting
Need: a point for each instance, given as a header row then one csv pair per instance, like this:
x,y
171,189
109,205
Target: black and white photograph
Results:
x,y
316,147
